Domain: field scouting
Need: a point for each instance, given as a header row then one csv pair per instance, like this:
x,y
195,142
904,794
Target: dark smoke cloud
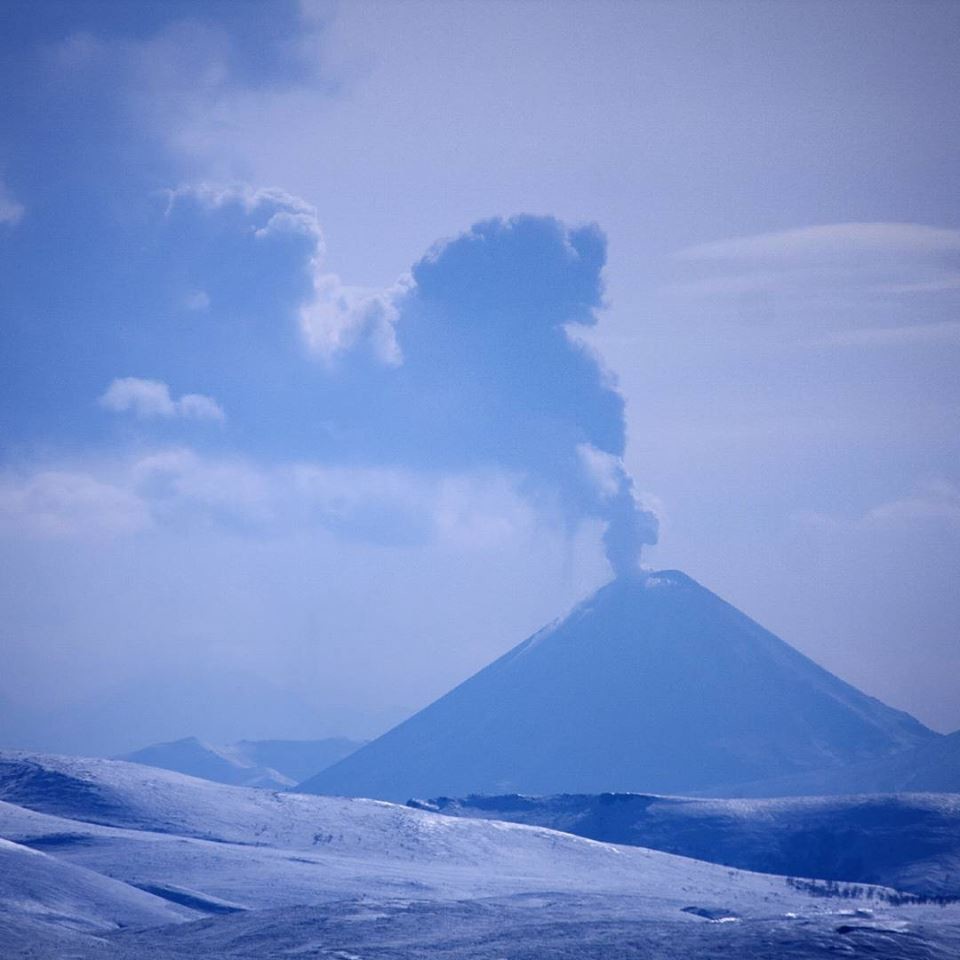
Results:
x,y
492,376
485,369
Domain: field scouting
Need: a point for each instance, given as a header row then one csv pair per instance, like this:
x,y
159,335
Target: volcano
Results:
x,y
654,684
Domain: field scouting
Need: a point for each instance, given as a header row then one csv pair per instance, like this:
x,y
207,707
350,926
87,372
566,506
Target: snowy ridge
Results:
x,y
908,841
307,869
136,800
41,890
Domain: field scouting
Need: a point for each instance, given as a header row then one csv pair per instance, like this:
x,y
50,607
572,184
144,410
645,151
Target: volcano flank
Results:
x,y
653,684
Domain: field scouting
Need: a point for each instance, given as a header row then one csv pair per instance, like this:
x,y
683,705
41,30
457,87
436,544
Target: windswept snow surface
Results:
x,y
91,811
44,900
907,841
46,888
278,875
653,684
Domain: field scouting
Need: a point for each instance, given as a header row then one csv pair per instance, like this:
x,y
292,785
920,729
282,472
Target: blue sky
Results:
x,y
335,336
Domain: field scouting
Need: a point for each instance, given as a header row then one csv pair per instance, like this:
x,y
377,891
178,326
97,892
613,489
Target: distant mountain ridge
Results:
x,y
271,764
652,685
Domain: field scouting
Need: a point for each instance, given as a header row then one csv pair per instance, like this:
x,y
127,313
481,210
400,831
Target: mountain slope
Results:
x,y
297,759
931,767
654,684
907,841
198,759
271,764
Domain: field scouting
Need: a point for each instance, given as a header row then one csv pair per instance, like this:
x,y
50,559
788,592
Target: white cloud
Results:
x,y
179,486
146,398
198,406
66,503
151,398
935,501
280,212
604,469
11,212
197,300
336,317
481,512
177,478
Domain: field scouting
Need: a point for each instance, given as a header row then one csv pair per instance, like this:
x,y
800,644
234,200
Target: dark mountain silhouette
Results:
x,y
654,684
274,764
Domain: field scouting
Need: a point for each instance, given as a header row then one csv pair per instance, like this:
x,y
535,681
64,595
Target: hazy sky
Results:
x,y
298,427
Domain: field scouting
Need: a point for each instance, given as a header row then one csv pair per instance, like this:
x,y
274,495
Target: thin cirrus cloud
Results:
x,y
152,398
932,505
814,244
848,284
936,500
827,260
943,332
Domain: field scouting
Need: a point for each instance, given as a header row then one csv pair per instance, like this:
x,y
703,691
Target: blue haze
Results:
x,y
408,471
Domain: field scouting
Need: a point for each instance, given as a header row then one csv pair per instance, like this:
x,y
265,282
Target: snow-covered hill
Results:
x,y
44,888
653,684
45,903
279,874
907,841
88,810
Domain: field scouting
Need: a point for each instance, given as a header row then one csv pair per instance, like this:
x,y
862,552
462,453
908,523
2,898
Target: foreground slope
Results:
x,y
47,904
250,848
546,926
654,684
908,841
46,890
278,875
